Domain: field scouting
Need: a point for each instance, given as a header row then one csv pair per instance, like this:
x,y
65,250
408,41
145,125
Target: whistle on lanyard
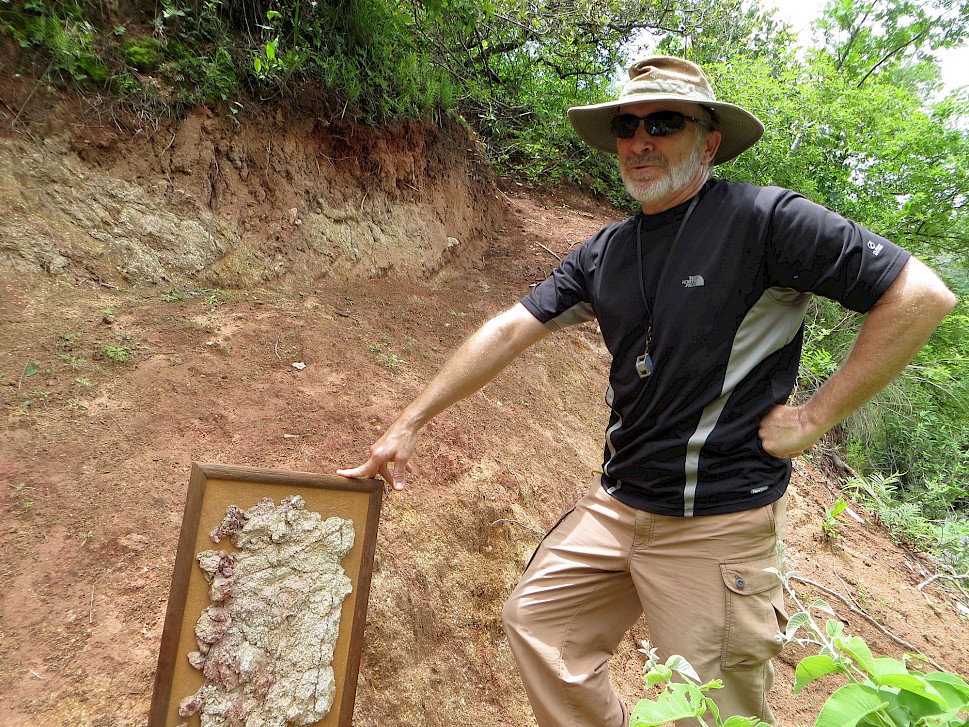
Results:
x,y
644,365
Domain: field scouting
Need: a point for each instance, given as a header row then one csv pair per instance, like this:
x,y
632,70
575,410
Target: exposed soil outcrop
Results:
x,y
256,198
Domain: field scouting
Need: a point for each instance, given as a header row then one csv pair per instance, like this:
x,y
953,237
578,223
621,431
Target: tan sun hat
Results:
x,y
664,78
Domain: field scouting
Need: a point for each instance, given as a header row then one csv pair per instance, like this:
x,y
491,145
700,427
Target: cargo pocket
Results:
x,y
754,613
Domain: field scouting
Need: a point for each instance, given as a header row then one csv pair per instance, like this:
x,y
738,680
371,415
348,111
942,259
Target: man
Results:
x,y
700,299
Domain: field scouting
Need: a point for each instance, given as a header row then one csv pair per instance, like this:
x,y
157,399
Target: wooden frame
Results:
x,y
213,488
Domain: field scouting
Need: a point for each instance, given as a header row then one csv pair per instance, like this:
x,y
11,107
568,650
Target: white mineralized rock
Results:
x,y
266,644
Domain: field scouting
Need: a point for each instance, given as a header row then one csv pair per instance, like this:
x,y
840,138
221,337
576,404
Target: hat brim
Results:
x,y
739,129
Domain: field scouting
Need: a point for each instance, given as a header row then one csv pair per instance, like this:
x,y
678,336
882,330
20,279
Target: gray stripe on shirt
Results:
x,y
579,313
769,325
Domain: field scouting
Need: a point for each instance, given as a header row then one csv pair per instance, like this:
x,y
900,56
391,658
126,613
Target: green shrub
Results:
x,y
62,30
143,54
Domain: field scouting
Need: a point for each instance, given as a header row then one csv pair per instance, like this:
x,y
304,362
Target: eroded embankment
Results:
x,y
227,204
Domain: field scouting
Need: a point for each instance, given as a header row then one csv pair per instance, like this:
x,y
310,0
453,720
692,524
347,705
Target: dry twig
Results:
x,y
551,252
937,576
31,95
117,423
861,612
510,200
99,579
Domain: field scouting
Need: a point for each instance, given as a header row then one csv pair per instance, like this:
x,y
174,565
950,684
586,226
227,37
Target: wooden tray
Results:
x,y
212,489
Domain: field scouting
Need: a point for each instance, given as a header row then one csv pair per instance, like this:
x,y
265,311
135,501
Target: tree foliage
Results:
x,y
521,63
893,37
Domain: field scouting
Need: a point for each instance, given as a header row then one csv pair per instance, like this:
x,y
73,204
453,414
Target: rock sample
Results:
x,y
266,643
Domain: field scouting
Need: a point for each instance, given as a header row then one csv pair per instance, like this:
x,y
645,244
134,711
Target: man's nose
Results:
x,y
642,141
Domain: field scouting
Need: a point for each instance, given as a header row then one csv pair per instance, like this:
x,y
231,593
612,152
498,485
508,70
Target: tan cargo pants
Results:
x,y
700,581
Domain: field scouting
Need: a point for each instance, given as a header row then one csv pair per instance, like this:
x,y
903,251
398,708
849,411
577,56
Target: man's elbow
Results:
x,y
948,301
939,300
926,293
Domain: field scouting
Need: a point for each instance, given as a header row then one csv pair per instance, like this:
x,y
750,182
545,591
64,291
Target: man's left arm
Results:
x,y
894,330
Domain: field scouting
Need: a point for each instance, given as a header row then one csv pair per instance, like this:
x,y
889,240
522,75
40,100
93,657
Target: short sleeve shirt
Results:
x,y
717,298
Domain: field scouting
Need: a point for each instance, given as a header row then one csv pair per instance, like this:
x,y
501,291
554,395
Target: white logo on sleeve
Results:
x,y
875,249
694,281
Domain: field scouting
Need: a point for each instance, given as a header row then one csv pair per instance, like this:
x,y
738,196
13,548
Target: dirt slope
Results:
x,y
177,248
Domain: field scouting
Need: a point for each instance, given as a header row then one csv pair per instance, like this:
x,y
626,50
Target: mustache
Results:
x,y
636,160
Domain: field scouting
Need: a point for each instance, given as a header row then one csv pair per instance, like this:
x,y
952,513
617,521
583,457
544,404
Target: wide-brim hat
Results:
x,y
664,78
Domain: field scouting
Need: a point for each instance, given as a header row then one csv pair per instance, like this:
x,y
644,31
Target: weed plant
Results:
x,y
122,353
925,517
829,527
878,691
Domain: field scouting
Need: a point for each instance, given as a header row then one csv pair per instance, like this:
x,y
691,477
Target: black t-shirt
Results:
x,y
721,294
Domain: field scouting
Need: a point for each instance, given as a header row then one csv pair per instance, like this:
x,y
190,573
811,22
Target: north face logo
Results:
x,y
694,281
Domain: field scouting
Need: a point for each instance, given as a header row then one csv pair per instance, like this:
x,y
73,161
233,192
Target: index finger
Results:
x,y
373,467
368,469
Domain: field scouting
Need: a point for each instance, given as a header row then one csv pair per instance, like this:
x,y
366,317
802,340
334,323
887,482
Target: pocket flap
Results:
x,y
746,577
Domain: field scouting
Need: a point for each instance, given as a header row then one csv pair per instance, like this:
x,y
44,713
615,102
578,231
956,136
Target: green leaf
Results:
x,y
913,706
850,704
912,684
658,674
795,622
811,668
885,665
681,701
821,605
681,666
711,705
839,507
712,684
954,690
856,647
833,627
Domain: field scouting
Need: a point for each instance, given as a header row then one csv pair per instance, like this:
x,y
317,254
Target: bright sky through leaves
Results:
x,y
800,14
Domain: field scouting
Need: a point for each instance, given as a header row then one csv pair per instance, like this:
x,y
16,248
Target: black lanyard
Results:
x,y
644,363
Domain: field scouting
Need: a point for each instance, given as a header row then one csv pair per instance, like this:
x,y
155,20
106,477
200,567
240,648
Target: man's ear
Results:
x,y
710,146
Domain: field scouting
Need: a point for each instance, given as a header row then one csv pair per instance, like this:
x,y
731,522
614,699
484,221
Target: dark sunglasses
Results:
x,y
658,123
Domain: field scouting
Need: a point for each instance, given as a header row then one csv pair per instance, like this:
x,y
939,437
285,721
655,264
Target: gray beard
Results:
x,y
666,185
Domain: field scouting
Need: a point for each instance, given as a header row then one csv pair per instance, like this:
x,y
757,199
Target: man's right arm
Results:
x,y
474,364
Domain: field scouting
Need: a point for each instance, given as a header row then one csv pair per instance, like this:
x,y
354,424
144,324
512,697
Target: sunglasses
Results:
x,y
658,123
